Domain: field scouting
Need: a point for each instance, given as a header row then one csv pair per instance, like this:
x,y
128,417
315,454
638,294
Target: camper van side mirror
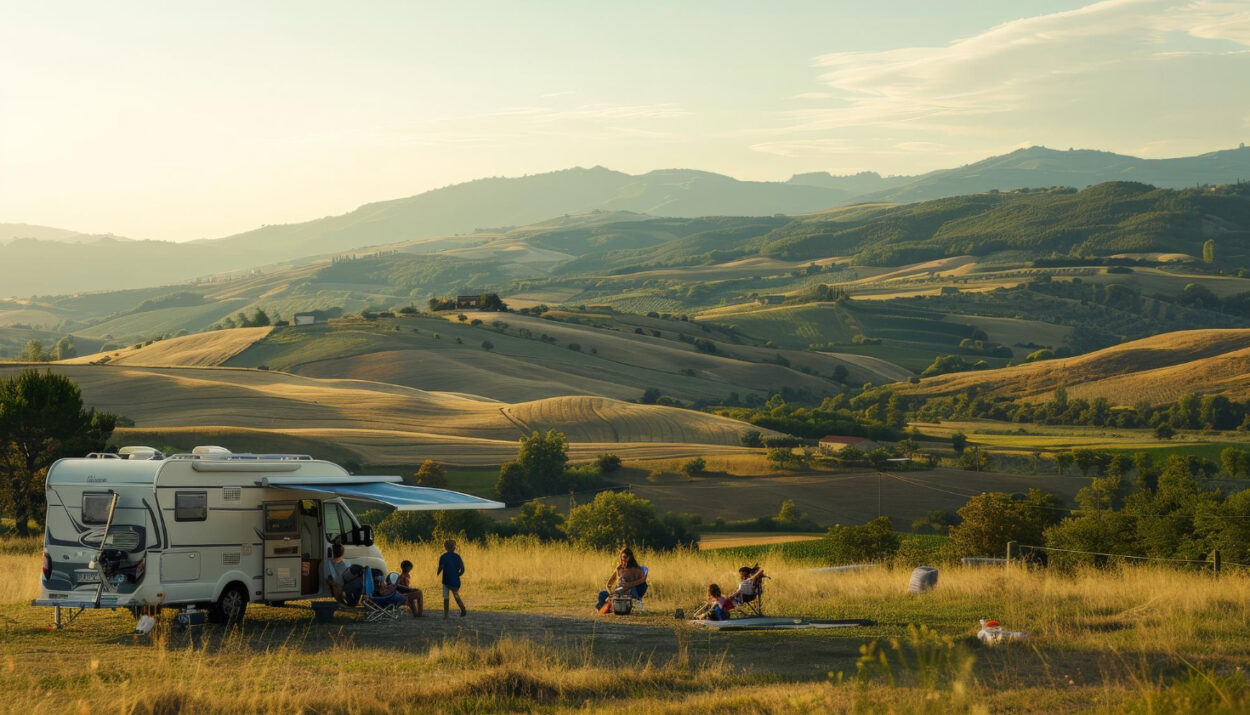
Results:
x,y
361,536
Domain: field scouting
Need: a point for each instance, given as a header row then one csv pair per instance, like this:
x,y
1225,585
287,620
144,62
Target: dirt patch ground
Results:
x,y
650,637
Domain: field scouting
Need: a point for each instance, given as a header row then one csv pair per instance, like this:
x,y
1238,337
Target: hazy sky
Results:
x,y
187,120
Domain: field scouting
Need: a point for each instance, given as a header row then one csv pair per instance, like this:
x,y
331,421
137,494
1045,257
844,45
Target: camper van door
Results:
x,y
282,550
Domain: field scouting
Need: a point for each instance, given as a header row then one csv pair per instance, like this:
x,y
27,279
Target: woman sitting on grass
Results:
x,y
629,578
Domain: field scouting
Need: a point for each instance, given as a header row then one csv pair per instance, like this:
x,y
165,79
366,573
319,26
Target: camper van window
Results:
x,y
337,523
95,508
190,506
280,519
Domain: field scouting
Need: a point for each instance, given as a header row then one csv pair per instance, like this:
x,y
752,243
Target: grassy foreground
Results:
x,y
1140,639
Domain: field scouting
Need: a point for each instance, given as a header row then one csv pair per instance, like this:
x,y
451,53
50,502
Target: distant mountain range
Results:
x,y
10,232
1038,166
53,260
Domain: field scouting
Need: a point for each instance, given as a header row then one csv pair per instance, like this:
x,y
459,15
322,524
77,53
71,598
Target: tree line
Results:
x,y
1137,509
1190,411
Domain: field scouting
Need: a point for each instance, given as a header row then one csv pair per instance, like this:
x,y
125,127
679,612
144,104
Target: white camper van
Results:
x,y
212,529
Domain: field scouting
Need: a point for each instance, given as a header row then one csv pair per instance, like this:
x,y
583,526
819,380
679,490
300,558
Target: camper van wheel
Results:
x,y
230,607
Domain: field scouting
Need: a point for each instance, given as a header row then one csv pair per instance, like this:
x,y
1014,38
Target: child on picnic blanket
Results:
x,y
720,605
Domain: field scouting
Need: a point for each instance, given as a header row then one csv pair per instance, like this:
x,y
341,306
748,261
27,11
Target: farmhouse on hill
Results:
x,y
468,302
833,444
307,319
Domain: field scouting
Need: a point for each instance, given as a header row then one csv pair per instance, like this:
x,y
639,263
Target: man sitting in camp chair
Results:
x,y
345,581
750,593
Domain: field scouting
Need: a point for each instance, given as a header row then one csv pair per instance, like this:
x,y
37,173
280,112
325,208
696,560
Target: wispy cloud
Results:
x,y
1138,60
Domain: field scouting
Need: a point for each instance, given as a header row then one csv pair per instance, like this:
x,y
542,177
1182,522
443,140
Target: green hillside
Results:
x,y
515,357
1102,220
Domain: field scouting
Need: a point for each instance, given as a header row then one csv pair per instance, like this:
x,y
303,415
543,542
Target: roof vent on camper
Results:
x,y
208,450
139,452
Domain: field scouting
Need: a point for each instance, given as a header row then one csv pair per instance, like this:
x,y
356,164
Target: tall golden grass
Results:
x,y
1120,622
1133,607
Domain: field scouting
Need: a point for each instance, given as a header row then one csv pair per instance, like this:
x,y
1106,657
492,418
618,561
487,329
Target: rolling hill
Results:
x,y
1101,220
529,358
52,266
1156,370
379,423
200,350
1037,167
46,261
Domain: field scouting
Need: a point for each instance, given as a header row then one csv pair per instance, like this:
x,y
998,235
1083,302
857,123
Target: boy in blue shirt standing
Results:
x,y
451,566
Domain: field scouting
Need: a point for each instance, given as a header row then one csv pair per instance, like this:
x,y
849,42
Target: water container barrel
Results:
x,y
923,578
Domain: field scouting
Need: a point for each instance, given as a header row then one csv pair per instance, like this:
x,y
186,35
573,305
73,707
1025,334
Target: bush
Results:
x,y
789,518
540,520
608,463
510,487
874,541
782,457
407,526
431,474
470,524
614,519
959,442
751,438
992,519
694,467
936,521
582,477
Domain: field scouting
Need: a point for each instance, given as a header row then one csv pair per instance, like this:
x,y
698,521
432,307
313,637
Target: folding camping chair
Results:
x,y
375,612
646,586
756,603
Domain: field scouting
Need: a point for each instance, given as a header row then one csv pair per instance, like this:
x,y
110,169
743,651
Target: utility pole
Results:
x,y
880,476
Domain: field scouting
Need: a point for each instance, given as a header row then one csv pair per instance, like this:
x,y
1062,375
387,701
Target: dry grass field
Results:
x,y
382,423
531,358
841,497
730,540
202,349
1142,639
1157,369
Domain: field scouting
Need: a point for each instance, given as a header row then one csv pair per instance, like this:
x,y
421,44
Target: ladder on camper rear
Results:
x,y
59,619
99,567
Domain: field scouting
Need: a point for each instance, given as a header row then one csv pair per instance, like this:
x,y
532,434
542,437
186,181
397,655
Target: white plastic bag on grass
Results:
x,y
992,633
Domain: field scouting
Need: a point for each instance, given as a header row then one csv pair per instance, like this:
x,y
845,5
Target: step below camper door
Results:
x,y
282,554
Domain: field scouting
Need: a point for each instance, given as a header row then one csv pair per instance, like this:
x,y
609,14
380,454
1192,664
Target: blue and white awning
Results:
x,y
400,496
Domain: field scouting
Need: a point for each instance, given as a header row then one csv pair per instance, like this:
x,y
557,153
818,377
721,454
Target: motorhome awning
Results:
x,y
402,497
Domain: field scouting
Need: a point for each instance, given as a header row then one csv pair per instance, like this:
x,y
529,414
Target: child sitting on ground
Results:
x,y
718,606
415,599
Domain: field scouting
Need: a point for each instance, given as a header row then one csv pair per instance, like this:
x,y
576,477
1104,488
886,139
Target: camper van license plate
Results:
x,y
86,576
